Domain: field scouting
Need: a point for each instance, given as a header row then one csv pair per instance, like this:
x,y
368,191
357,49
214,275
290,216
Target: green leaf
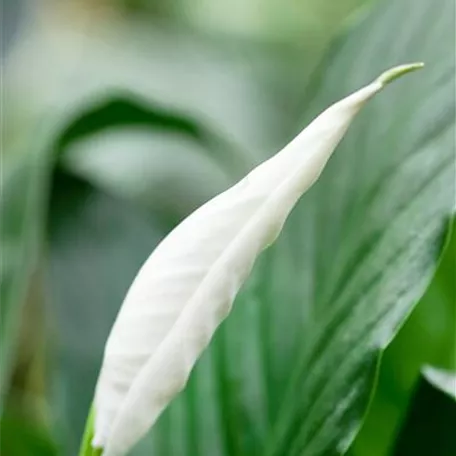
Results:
x,y
168,174
25,176
292,369
20,437
429,425
127,110
426,338
379,217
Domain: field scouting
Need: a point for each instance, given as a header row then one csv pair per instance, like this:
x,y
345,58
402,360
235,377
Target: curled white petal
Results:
x,y
187,286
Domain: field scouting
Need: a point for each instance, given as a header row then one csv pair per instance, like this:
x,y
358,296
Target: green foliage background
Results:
x,y
121,117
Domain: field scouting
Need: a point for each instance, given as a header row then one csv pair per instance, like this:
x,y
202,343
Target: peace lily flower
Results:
x,y
187,286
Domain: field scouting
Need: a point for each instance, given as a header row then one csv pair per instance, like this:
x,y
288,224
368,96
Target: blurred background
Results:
x,y
119,117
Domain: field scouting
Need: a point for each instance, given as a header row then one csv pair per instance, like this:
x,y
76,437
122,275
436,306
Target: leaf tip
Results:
x,y
442,379
396,72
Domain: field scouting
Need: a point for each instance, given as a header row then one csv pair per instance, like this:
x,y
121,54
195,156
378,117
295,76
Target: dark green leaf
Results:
x,y
127,110
429,425
428,337
20,437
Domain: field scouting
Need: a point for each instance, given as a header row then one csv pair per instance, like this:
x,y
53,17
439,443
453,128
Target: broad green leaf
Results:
x,y
379,220
429,425
428,337
292,369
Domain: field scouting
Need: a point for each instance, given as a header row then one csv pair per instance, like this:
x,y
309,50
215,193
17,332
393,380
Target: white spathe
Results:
x,y
187,286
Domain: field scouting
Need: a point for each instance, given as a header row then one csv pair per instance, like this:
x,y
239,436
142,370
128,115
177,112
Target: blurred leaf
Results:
x,y
22,438
95,245
10,22
428,337
309,22
101,240
113,147
292,369
22,209
162,173
26,175
76,59
429,425
128,110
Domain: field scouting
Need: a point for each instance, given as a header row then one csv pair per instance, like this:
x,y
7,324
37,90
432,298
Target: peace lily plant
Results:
x,y
187,286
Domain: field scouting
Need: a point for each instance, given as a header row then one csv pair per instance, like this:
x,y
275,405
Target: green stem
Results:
x,y
86,448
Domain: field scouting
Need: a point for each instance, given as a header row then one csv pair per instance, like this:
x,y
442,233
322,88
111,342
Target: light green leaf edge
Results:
x,y
86,444
442,379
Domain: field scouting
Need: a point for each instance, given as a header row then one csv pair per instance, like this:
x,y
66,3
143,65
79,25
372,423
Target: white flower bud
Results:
x,y
187,286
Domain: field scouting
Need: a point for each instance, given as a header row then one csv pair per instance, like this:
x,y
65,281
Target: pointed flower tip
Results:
x,y
396,72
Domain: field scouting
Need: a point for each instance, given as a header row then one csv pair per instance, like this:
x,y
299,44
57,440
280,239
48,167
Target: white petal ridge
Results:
x,y
187,286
